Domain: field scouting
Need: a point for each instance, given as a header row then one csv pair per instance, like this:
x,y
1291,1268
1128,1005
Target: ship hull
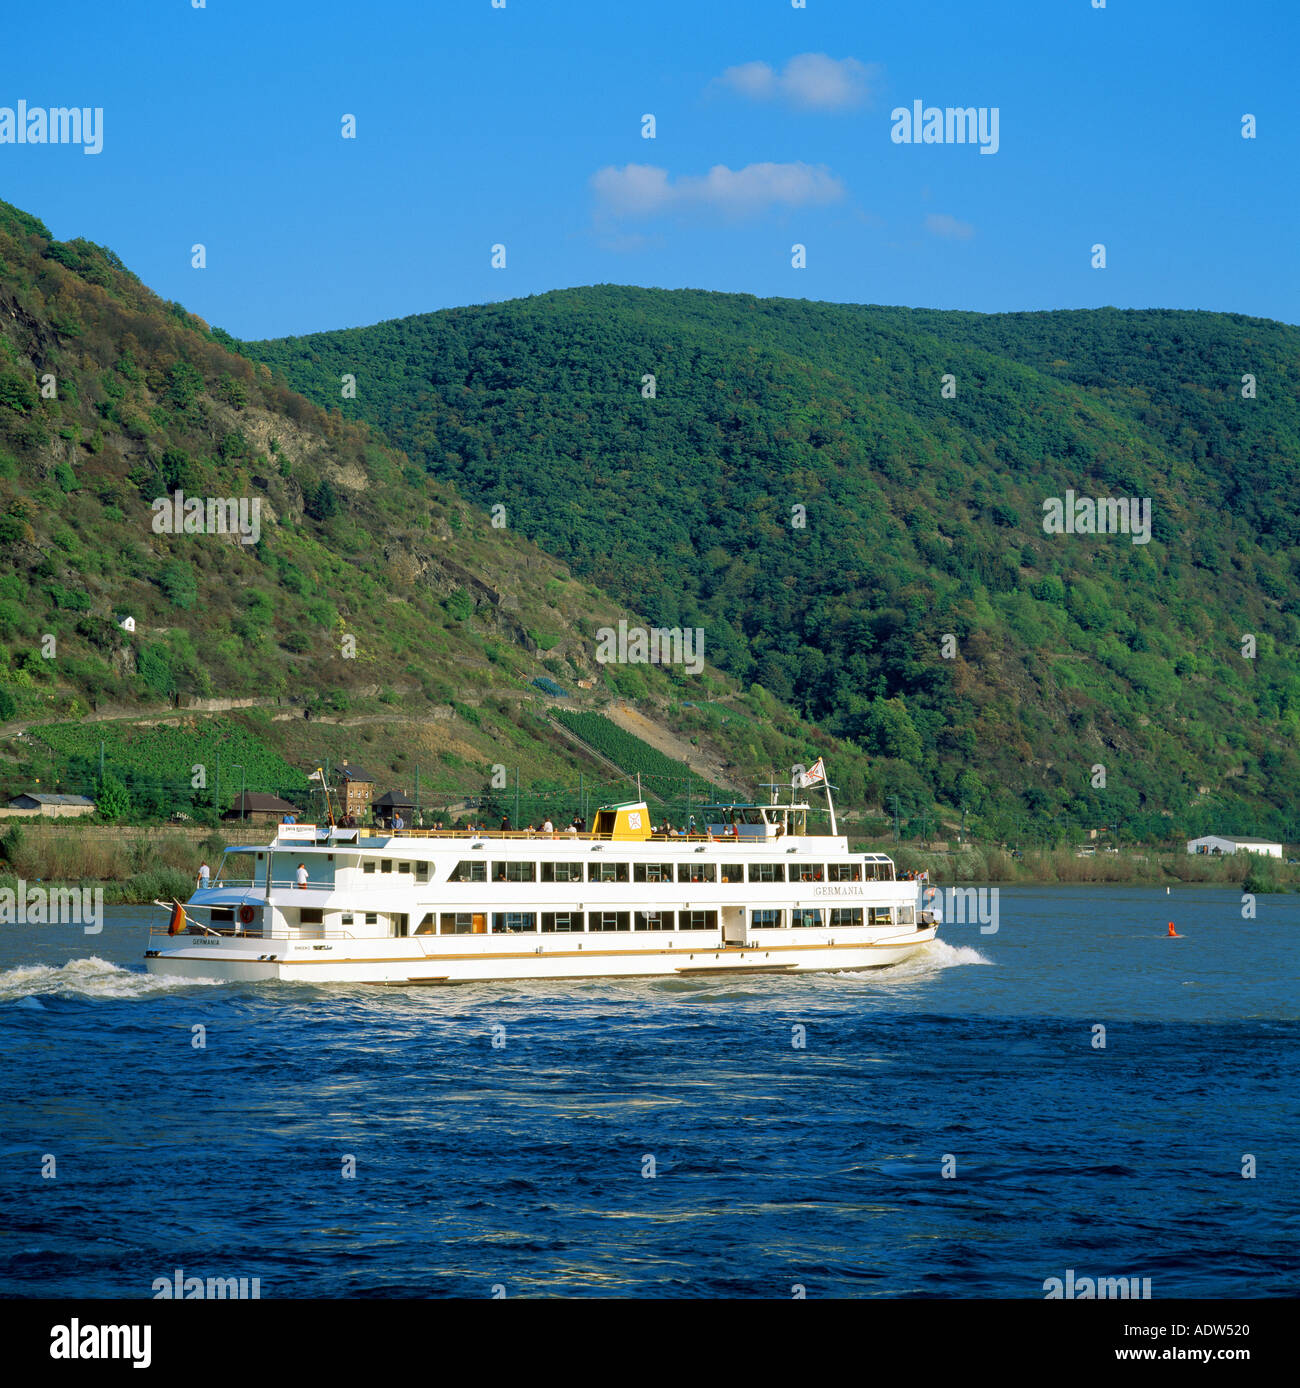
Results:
x,y
396,963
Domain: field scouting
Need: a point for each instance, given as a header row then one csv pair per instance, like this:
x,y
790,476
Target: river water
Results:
x,y
672,1138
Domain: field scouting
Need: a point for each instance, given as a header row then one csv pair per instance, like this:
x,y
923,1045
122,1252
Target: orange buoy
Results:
x,y
1173,934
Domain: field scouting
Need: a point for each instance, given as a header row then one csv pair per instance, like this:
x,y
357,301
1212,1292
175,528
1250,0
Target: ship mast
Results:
x,y
831,809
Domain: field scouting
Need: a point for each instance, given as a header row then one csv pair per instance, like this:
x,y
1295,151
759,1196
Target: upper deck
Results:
x,y
737,823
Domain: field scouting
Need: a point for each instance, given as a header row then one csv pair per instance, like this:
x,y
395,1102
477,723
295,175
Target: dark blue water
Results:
x,y
523,1166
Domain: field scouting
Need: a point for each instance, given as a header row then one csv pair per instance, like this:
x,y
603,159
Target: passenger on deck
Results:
x,y
205,875
302,876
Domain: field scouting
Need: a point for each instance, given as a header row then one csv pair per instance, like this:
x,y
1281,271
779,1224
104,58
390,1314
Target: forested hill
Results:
x,y
364,591
924,515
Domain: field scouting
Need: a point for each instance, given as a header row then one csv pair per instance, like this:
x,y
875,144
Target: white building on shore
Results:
x,y
1227,843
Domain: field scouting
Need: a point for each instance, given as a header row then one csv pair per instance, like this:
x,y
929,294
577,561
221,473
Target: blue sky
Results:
x,y
523,126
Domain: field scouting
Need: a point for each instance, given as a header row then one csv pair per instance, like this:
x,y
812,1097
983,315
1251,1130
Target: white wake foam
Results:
x,y
942,955
87,978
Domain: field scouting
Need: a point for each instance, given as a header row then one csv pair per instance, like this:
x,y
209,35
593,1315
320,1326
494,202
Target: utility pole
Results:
x,y
243,804
516,819
101,761
417,792
893,800
216,792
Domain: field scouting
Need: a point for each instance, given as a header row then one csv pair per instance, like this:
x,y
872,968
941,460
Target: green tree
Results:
x,y
113,801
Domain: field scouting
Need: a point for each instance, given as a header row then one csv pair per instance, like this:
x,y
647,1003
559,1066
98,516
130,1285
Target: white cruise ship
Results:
x,y
753,892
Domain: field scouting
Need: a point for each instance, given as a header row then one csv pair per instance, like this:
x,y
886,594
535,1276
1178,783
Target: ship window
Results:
x,y
368,865
221,913
844,872
767,872
425,927
346,918
561,922
386,865
606,872
809,872
654,920
513,922
561,872
456,923
764,918
469,870
403,867
514,872
422,872
733,872
846,915
697,920
907,915
880,915
652,872
697,872
311,915
609,920
372,918
808,915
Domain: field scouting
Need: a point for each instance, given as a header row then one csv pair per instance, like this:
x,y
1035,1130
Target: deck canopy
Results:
x,y
630,821
750,820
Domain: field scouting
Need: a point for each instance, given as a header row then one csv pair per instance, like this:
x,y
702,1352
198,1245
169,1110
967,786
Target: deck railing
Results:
x,y
196,929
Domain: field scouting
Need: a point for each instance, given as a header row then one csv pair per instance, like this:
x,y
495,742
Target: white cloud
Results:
x,y
811,80
641,190
751,79
941,224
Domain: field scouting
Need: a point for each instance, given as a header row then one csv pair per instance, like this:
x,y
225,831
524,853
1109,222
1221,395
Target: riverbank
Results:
x,y
130,865
1142,867
134,864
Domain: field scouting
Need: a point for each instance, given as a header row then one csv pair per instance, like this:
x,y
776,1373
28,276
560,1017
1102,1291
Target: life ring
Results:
x,y
246,914
929,895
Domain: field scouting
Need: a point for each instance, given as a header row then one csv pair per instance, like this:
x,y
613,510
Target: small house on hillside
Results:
x,y
1227,843
356,785
254,807
53,806
392,803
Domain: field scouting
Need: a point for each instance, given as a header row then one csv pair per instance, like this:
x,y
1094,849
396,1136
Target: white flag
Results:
x,y
815,775
316,775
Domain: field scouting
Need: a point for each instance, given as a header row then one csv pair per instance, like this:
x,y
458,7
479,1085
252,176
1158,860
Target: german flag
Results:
x,y
177,923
